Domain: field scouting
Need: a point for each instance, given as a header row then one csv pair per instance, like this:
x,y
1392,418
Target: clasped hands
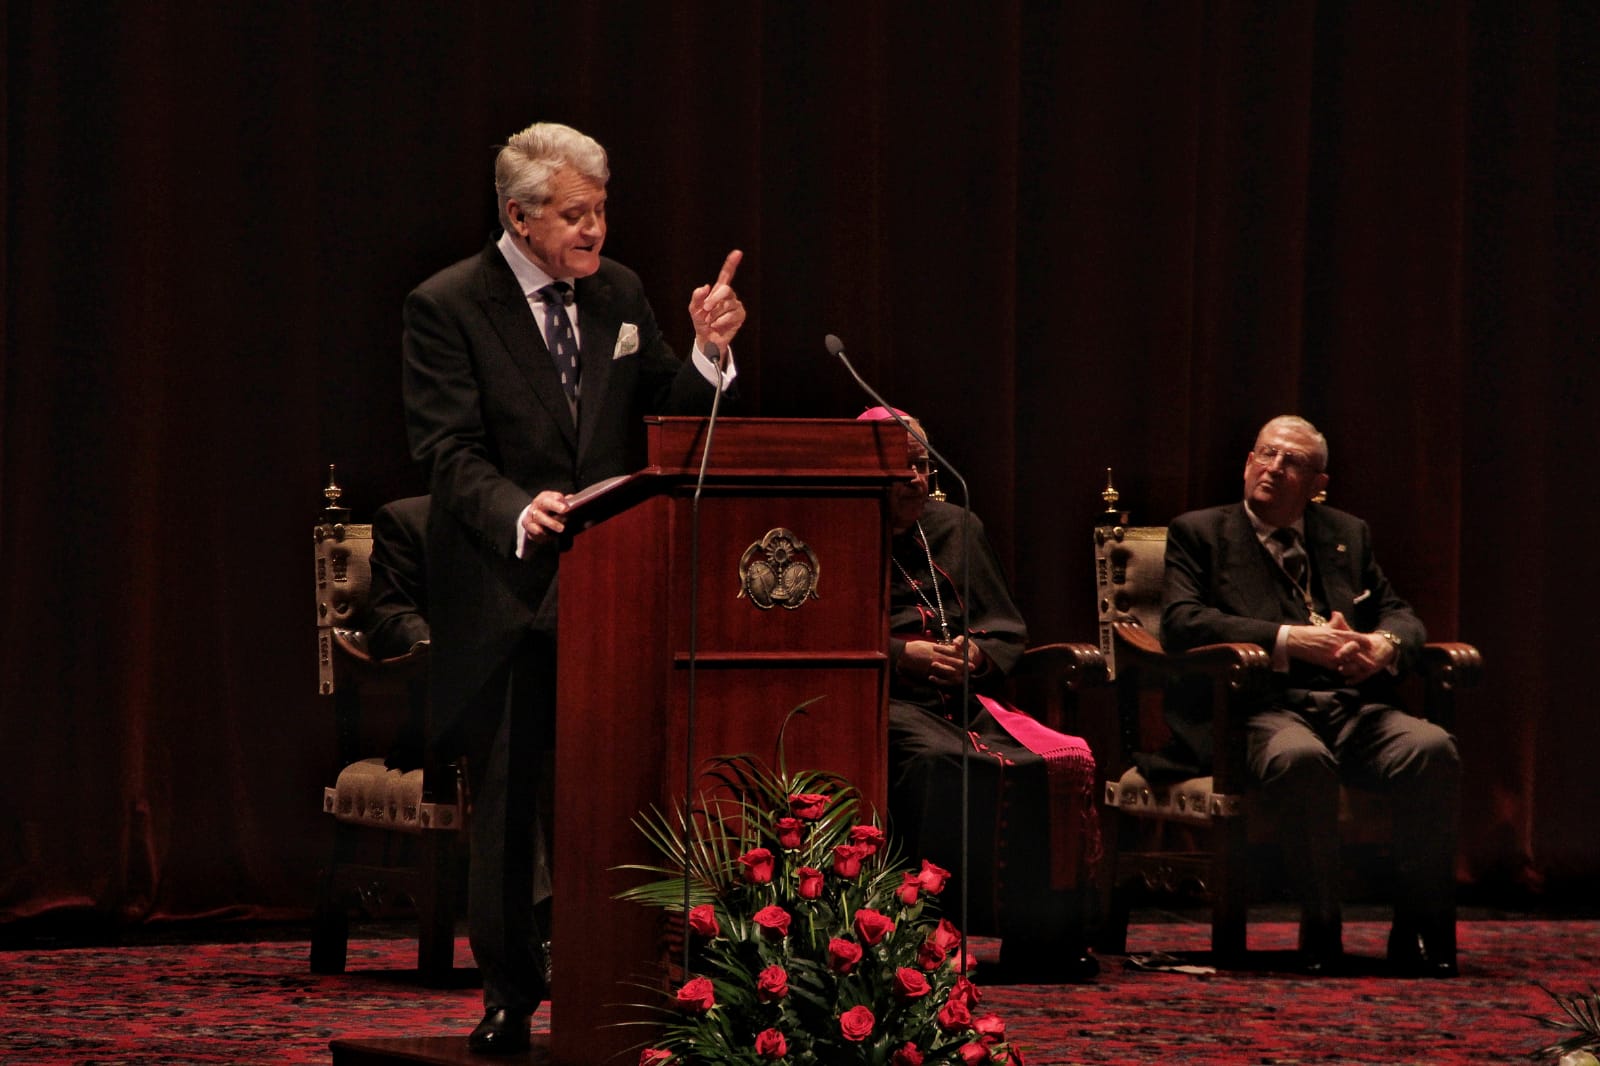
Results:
x,y
1335,646
939,663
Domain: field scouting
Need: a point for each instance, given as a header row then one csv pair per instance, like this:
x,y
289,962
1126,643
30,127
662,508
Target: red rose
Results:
x,y
703,921
697,995
973,1054
757,864
810,882
843,955
868,836
772,984
770,1044
966,992
808,805
791,832
654,1056
847,859
991,1030
1010,1054
955,1015
936,949
774,921
907,1055
872,927
910,885
856,1024
933,877
909,984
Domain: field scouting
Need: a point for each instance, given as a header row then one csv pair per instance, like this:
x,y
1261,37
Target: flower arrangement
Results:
x,y
812,943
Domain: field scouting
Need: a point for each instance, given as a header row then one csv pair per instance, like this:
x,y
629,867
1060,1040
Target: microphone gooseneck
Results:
x,y
694,637
835,348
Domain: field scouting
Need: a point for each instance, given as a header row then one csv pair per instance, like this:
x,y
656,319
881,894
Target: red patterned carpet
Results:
x,y
258,1003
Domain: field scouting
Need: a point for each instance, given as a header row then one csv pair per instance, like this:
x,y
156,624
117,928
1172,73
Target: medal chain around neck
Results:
x,y
1305,589
936,605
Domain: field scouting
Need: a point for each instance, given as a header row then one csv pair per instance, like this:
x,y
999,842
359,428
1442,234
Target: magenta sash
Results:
x,y
1069,771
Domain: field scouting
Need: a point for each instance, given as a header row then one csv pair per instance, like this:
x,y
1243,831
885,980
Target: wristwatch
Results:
x,y
1390,637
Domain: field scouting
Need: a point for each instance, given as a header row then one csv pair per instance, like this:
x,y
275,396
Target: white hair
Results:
x,y
1298,423
524,167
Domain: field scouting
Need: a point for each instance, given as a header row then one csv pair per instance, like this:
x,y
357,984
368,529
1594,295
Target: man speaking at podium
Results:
x,y
528,370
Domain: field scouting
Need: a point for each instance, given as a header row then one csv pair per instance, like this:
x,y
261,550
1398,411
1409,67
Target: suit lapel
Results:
x,y
508,313
598,325
1331,558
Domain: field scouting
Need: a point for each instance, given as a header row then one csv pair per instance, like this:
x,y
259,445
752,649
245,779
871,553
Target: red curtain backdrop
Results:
x,y
1067,236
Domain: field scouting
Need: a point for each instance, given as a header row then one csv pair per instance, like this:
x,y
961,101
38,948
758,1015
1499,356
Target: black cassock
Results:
x,y
1032,821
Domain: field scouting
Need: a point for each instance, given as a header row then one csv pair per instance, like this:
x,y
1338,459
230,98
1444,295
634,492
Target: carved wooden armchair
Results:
x,y
1193,837
398,830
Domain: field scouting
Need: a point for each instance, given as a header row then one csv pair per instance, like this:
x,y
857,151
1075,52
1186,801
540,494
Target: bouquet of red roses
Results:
x,y
812,943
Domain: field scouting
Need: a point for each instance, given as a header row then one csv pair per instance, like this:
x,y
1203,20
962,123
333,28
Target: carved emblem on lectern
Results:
x,y
779,570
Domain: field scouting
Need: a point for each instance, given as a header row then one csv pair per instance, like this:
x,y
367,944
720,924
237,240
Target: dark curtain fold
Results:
x,y
1067,236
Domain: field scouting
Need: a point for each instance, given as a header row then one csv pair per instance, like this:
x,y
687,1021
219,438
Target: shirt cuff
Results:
x,y
522,530
708,369
1280,650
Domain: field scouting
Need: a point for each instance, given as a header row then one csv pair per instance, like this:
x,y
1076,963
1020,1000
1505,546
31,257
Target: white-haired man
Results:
x,y
528,369
1299,578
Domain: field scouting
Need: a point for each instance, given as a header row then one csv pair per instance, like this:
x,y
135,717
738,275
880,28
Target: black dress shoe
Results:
x,y
1414,954
502,1032
1321,951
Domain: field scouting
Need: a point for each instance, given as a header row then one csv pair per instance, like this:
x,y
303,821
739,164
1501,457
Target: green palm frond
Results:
x,y
1581,1012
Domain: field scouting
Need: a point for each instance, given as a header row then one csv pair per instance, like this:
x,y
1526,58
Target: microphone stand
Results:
x,y
694,638
836,348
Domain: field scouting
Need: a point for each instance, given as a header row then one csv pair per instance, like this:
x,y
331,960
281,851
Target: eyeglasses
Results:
x,y
1266,455
922,465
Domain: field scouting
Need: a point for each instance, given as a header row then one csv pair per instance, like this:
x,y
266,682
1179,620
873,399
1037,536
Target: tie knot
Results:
x,y
1287,536
557,292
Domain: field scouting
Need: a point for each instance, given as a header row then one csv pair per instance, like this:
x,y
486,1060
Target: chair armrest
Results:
x,y
1231,675
1049,680
1451,665
1073,665
1444,671
1241,666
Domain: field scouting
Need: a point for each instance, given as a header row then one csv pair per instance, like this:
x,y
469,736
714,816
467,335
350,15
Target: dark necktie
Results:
x,y
554,298
1291,555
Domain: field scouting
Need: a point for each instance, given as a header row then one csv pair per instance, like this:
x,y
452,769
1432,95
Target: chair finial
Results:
x,y
333,491
1110,494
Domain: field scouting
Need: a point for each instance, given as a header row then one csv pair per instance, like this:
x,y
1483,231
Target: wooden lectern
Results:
x,y
783,617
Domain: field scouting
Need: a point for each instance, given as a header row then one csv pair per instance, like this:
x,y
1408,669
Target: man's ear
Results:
x,y
1319,485
519,217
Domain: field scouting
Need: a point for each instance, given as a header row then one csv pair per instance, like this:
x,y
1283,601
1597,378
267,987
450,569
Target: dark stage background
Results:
x,y
1067,236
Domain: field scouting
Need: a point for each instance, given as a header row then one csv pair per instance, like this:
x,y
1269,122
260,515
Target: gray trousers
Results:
x,y
1302,751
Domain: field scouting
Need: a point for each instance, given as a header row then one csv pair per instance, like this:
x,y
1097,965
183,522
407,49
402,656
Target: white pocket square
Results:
x,y
627,341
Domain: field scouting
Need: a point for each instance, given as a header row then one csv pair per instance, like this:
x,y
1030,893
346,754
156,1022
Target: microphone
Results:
x,y
835,348
694,646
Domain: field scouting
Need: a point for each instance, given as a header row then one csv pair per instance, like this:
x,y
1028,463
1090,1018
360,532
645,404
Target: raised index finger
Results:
x,y
729,266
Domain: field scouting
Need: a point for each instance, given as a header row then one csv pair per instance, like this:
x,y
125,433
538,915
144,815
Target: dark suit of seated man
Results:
x,y
397,607
1299,578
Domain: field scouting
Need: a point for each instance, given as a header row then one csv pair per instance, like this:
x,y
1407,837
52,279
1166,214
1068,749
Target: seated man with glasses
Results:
x,y
1299,578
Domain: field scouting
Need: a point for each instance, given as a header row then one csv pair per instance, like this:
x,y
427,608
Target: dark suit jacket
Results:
x,y
489,424
1222,586
397,613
